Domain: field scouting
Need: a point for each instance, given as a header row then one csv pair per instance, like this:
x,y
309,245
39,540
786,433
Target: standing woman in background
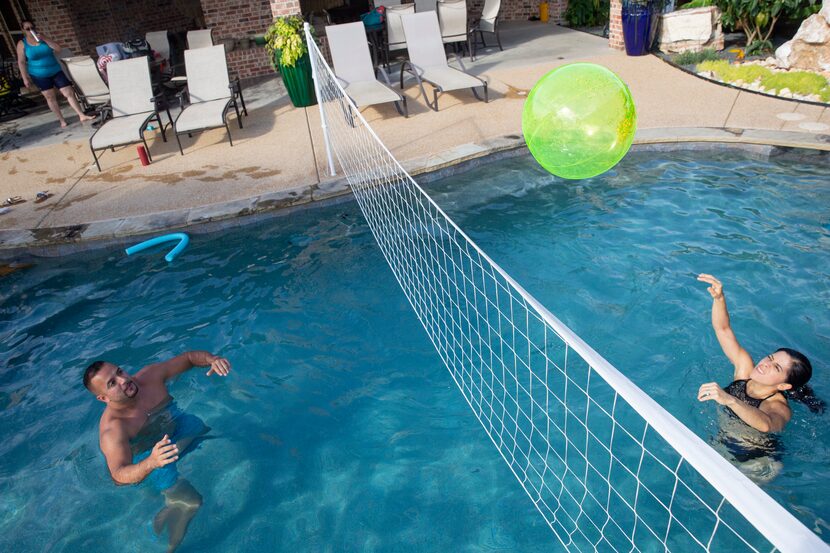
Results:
x,y
37,62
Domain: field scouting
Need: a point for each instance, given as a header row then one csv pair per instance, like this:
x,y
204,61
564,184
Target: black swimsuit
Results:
x,y
755,445
738,390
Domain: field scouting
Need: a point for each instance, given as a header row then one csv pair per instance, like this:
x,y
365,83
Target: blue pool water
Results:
x,y
338,429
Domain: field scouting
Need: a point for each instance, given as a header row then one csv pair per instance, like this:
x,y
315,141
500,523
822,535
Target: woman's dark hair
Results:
x,y
26,20
800,372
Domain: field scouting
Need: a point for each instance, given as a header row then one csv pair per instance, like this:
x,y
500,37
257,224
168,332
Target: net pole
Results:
x,y
313,52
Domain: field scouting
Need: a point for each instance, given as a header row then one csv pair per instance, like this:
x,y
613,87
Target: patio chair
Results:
x,y
211,94
159,41
452,19
428,62
349,49
91,90
424,6
133,107
487,23
199,39
395,38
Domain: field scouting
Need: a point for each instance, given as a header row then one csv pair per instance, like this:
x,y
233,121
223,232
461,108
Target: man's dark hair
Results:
x,y
90,373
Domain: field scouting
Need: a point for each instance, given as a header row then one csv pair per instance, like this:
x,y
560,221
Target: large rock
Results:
x,y
694,30
810,47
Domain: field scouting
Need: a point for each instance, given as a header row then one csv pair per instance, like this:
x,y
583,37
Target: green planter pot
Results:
x,y
298,81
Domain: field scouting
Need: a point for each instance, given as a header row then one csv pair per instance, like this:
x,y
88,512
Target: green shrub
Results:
x,y
757,18
725,71
693,58
696,4
286,36
587,13
798,82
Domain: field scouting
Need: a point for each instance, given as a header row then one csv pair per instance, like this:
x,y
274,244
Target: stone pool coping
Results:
x,y
63,240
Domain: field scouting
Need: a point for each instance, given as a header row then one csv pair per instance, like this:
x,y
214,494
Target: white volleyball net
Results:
x,y
604,464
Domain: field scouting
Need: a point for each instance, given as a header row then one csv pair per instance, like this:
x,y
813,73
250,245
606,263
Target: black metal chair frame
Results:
x,y
474,29
153,115
235,88
409,67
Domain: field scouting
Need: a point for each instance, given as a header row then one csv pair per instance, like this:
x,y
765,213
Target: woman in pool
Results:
x,y
37,62
758,393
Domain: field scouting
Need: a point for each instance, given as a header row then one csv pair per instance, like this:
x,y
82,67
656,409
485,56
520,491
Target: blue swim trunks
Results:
x,y
187,426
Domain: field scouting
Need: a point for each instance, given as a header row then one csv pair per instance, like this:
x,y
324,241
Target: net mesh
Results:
x,y
599,473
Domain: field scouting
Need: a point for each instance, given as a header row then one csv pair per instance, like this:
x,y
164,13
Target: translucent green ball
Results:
x,y
579,120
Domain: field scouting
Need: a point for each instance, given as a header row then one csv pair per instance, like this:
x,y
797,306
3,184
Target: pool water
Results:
x,y
338,429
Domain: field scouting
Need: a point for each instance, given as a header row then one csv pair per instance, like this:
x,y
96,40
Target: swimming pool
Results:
x,y
339,429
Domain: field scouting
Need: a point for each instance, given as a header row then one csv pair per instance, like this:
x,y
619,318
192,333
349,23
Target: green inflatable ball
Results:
x,y
579,120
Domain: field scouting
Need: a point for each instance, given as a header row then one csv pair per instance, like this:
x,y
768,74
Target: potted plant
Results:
x,y
638,30
285,43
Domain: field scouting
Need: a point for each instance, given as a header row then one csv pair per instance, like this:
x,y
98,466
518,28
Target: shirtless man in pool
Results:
x,y
142,432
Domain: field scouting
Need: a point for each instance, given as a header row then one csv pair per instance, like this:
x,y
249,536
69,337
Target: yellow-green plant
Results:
x,y
285,36
797,82
725,71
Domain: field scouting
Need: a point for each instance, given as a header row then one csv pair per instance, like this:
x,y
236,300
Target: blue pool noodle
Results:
x,y
180,236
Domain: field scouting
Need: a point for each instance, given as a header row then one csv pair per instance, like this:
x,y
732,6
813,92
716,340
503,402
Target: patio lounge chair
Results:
x,y
211,93
349,49
452,18
133,106
428,62
199,39
395,39
487,23
90,88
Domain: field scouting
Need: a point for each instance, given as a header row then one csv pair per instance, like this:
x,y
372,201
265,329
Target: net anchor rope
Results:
x,y
555,410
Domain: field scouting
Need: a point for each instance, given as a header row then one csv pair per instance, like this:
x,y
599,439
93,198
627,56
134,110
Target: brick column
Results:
x,y
233,20
615,32
280,8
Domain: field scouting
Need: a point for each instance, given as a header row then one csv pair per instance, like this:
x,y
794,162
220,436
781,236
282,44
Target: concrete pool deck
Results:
x,y
277,160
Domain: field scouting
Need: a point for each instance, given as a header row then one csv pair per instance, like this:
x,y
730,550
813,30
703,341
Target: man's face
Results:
x,y
113,384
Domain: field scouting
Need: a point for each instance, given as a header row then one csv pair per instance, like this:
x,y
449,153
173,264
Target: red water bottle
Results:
x,y
142,155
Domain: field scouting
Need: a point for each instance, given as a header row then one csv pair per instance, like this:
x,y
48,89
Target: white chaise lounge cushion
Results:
x,y
203,115
126,129
426,52
367,93
353,65
449,78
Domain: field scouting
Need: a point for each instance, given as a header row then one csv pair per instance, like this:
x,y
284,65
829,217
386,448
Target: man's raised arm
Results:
x,y
188,360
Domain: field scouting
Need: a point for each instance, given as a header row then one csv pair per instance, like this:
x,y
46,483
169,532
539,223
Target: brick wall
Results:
x,y
235,19
249,62
84,24
521,10
615,32
55,20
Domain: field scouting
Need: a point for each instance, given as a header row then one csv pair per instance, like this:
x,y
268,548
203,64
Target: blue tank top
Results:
x,y
41,61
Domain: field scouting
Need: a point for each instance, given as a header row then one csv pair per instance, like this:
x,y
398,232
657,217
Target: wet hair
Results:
x,y
800,372
90,373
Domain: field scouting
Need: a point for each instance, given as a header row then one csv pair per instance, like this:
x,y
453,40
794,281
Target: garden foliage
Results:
x,y
797,82
757,18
